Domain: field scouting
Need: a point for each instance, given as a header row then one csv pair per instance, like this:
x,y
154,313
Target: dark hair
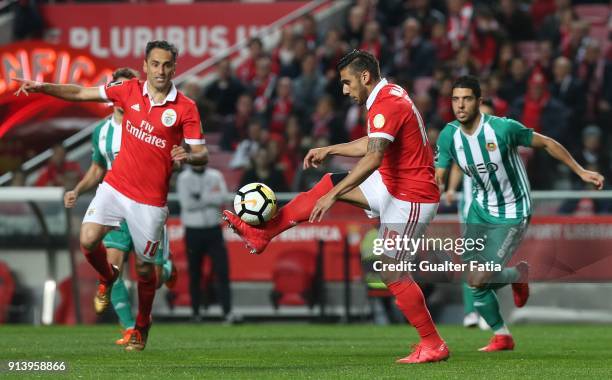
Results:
x,y
468,81
124,72
161,44
358,61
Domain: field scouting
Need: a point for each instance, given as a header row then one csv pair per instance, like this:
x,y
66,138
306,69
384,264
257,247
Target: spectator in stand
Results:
x,y
488,89
550,29
458,22
300,50
604,103
424,104
283,54
235,126
28,23
545,56
308,26
308,87
440,92
589,71
374,43
59,171
546,115
464,63
571,91
354,27
516,21
264,170
414,56
224,91
280,107
503,59
355,123
263,84
515,84
332,50
425,14
573,44
293,141
246,71
484,37
326,123
247,148
441,43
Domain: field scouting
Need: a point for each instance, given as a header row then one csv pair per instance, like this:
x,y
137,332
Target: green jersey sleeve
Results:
x,y
518,134
444,157
96,155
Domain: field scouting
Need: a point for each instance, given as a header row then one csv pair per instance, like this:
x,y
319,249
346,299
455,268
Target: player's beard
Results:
x,y
471,117
363,95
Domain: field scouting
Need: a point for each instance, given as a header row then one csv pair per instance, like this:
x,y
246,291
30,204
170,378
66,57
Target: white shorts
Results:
x,y
397,217
109,208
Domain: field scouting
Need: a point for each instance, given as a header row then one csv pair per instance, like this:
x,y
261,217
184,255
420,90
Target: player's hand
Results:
x,y
315,157
70,198
27,86
449,197
179,155
323,204
592,177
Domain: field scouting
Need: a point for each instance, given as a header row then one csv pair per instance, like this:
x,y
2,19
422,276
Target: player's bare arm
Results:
x,y
559,152
355,148
70,92
94,176
198,154
362,170
441,178
450,195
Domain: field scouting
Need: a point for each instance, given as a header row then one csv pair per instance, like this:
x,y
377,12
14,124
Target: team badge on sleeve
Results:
x,y
168,117
379,121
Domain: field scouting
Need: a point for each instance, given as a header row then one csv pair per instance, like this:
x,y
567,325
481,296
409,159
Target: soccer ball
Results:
x,y
255,203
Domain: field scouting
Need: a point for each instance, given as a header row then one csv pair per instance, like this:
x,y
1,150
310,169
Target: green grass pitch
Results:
x,y
291,351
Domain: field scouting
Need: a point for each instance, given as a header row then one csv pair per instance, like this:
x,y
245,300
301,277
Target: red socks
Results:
x,y
299,209
97,258
410,300
146,294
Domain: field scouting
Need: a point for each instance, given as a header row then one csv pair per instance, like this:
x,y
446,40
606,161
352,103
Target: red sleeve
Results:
x,y
117,92
386,118
192,126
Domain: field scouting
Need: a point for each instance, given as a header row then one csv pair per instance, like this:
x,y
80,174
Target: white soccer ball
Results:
x,y
255,203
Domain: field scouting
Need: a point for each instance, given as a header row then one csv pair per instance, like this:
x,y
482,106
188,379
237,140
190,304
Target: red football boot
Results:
x,y
256,239
423,354
520,289
499,343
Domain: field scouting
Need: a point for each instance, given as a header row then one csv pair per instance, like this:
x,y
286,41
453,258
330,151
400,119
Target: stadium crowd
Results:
x,y
540,63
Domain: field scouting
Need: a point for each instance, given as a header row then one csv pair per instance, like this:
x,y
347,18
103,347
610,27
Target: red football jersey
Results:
x,y
407,168
142,170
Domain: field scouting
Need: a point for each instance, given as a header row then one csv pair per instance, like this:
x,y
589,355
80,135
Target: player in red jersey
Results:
x,y
393,180
157,118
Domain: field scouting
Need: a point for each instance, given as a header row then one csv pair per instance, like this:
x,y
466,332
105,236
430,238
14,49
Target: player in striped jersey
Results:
x,y
106,142
485,148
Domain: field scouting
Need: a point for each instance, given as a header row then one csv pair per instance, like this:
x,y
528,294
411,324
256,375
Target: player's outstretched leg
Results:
x,y
520,287
296,211
147,284
123,307
410,300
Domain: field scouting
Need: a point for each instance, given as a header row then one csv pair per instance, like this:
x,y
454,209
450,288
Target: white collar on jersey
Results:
x,y
169,98
374,93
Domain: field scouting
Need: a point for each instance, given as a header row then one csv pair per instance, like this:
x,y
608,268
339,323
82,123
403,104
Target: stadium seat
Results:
x,y
7,289
293,277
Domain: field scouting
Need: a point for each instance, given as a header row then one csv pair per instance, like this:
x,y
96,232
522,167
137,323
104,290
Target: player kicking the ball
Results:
x,y
394,180
157,118
106,142
485,148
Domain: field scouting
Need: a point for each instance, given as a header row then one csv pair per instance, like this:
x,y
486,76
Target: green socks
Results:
x,y
121,302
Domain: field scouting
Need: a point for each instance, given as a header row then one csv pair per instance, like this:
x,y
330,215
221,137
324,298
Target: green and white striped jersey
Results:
x,y
500,189
106,142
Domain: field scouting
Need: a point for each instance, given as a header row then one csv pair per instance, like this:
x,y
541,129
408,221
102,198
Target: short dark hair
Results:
x,y
124,72
161,44
358,61
468,81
